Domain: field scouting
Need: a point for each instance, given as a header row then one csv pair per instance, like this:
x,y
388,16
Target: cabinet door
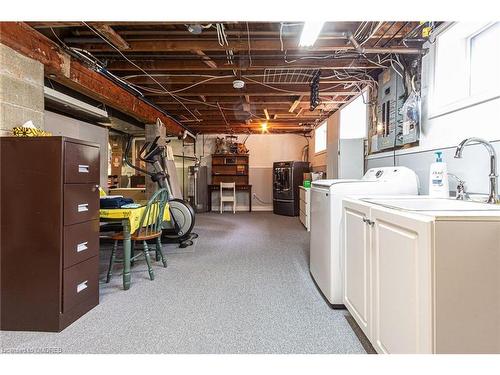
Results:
x,y
356,263
401,283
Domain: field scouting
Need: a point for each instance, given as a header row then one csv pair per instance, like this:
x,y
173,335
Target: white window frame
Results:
x,y
465,102
325,124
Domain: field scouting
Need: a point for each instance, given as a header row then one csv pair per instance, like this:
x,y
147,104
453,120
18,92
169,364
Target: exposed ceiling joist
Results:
x,y
205,59
111,35
260,64
196,70
295,103
266,114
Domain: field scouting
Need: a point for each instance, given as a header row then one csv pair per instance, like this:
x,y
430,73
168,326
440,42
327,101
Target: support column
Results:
x,y
21,91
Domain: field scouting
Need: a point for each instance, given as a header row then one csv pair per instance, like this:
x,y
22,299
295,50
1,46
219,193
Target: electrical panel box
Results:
x,y
391,97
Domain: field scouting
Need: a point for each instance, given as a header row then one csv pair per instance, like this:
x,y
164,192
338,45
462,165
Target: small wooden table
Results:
x,y
130,220
216,187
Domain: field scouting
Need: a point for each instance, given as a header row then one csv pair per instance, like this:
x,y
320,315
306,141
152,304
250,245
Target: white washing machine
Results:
x,y
326,216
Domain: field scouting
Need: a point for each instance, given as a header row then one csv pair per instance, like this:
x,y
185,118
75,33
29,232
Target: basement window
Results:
x,y
320,138
465,71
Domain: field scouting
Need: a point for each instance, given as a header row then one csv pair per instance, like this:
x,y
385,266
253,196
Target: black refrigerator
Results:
x,y
287,177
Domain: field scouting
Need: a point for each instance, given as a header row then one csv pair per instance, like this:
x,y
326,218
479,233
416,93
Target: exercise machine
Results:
x,y
179,228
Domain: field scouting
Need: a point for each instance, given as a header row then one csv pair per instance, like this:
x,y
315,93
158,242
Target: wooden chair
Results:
x,y
150,227
227,198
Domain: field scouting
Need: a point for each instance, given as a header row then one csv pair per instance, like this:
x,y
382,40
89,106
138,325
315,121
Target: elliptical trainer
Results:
x,y
181,213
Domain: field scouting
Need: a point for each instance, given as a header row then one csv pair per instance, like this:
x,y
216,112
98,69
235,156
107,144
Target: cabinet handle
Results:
x,y
83,207
82,247
368,221
82,168
82,286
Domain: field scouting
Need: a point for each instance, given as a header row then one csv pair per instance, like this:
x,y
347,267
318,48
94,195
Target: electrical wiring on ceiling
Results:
x,y
142,70
372,33
228,127
223,42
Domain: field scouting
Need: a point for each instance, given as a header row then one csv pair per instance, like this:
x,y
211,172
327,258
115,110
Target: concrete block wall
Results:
x,y
21,90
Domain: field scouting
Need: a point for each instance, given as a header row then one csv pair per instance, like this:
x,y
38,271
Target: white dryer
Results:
x,y
326,216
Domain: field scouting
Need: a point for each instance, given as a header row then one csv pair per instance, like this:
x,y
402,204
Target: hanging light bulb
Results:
x,y
263,127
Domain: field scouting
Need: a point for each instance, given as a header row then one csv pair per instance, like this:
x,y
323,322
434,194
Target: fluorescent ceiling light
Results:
x,y
310,33
70,102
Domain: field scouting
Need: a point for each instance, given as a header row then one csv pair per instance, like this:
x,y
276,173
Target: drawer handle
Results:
x,y
82,286
83,207
82,247
82,168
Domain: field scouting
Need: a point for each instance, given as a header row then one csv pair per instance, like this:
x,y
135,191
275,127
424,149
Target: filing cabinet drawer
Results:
x,y
81,163
80,283
81,242
81,203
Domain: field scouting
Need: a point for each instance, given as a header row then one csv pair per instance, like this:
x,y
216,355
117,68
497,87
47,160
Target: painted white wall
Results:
x,y
264,149
69,127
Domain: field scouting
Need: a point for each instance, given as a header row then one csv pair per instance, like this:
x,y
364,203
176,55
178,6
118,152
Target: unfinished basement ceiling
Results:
x,y
190,74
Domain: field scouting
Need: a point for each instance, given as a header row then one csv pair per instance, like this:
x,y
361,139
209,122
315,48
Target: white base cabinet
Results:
x,y
422,283
305,207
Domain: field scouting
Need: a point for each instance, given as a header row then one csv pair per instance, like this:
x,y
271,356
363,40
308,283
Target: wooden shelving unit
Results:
x,y
230,168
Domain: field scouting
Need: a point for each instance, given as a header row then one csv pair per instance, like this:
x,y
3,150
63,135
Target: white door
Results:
x,y
320,248
351,158
356,263
401,283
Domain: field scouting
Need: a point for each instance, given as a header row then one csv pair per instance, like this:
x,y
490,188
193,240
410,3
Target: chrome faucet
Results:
x,y
493,196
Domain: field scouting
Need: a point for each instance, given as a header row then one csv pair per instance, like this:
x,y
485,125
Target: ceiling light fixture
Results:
x,y
264,127
310,32
195,28
238,84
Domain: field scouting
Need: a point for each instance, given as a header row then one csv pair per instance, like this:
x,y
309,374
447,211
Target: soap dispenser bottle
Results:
x,y
438,178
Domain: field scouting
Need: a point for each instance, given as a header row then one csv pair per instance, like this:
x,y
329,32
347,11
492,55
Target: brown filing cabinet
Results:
x,y
49,212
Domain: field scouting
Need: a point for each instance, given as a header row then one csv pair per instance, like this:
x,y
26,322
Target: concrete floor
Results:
x,y
244,287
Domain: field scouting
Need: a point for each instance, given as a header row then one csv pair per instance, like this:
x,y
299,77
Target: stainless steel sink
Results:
x,y
432,204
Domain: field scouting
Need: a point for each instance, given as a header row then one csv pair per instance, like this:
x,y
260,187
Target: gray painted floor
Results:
x,y
245,288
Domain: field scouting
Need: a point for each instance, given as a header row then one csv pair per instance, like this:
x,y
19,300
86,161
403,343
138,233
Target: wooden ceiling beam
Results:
x,y
189,80
250,89
295,103
205,59
54,24
266,114
111,35
193,65
61,67
274,44
231,100
255,92
217,119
